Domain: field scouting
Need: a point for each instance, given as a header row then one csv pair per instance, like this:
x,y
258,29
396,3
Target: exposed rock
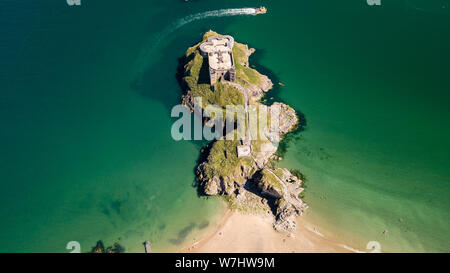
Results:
x,y
212,186
223,184
225,173
288,118
115,249
100,248
188,101
270,185
276,157
280,184
285,218
256,92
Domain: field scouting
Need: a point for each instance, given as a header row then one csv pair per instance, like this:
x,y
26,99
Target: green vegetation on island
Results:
x,y
241,170
196,76
197,80
270,183
240,53
223,161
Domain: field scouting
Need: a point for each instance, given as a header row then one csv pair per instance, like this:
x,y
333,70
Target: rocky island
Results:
x,y
242,170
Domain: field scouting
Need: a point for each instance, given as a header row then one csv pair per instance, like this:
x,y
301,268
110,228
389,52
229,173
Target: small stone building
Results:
x,y
243,151
219,51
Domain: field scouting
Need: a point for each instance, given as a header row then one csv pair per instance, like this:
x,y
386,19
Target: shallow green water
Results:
x,y
374,87
86,147
86,94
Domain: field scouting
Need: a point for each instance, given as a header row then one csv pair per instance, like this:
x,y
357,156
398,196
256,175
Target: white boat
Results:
x,y
260,10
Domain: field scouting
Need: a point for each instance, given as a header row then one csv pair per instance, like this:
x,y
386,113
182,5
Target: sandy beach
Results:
x,y
240,232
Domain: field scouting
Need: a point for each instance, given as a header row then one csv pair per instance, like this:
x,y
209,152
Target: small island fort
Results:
x,y
219,51
241,170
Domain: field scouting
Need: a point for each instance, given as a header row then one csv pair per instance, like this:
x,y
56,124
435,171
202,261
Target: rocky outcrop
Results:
x,y
256,91
285,217
188,101
285,188
225,184
247,183
290,205
288,118
100,248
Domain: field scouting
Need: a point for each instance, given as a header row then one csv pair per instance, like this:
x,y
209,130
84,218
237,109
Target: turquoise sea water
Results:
x,y
85,100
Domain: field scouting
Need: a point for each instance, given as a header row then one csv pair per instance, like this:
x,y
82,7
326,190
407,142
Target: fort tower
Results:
x,y
219,51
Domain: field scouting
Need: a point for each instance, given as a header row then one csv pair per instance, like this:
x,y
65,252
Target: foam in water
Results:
x,y
189,19
203,15
214,13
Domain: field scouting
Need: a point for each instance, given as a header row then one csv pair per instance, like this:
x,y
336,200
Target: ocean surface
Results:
x,y
86,92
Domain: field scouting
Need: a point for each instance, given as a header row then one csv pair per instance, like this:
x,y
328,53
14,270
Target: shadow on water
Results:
x,y
156,82
182,234
116,205
203,224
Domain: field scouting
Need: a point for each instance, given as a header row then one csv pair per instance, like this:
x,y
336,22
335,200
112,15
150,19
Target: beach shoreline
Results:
x,y
238,232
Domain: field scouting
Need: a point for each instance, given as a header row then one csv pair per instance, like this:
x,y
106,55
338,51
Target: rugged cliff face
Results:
x,y
285,188
223,172
247,182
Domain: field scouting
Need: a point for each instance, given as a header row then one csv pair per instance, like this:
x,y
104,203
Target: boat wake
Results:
x,y
208,14
177,24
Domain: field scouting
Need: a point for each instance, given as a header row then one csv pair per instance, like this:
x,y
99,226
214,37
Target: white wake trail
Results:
x,y
179,23
207,14
214,13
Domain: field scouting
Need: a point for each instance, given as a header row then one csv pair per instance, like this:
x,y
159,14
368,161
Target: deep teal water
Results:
x,y
85,100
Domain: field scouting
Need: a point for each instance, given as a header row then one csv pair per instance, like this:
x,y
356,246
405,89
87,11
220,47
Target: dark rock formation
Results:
x,y
100,248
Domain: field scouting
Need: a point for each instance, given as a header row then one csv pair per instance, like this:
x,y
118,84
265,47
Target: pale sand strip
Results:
x,y
254,233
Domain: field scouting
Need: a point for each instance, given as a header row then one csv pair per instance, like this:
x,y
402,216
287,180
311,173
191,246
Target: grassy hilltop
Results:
x,y
197,76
